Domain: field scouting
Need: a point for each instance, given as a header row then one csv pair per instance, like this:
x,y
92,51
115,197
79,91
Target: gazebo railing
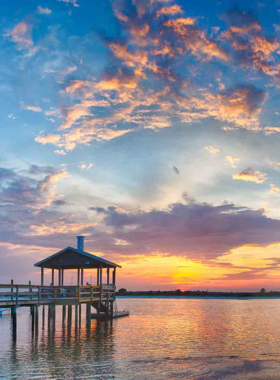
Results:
x,y
82,293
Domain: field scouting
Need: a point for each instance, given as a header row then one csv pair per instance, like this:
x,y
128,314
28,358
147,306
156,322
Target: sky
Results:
x,y
152,128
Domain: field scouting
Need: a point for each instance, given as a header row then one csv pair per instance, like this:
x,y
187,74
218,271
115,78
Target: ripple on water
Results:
x,y
162,339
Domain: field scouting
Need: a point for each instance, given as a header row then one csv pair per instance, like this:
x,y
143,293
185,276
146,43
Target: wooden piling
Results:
x,y
14,322
88,312
76,313
37,319
12,290
69,314
43,317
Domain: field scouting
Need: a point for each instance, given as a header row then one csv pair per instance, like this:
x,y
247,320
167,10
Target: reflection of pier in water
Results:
x,y
64,340
100,296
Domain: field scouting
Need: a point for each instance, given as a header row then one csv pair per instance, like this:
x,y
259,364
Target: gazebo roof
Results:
x,y
73,258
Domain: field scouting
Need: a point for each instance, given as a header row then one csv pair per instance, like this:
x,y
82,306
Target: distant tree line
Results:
x,y
196,293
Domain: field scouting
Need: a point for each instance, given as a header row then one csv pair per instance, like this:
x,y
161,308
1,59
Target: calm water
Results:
x,y
162,339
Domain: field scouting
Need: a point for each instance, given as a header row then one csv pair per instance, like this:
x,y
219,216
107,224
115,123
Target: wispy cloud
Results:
x,y
170,10
84,166
142,87
212,149
274,189
73,2
33,108
43,11
60,152
21,35
232,160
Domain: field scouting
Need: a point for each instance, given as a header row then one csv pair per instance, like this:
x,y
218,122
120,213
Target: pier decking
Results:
x,y
32,295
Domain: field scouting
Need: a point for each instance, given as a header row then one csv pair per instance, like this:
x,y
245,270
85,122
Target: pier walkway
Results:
x,y
32,295
100,296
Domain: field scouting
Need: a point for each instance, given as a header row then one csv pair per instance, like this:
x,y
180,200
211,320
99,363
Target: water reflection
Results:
x,y
162,339
63,350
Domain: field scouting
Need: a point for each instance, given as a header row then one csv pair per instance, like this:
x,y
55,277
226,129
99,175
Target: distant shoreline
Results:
x,y
200,297
199,294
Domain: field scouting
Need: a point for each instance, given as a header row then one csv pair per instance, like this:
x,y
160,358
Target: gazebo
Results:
x,y
77,258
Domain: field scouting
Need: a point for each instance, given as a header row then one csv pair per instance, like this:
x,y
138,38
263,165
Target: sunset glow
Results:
x,y
150,127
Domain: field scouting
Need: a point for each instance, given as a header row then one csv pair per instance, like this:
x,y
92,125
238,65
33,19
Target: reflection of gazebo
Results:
x,y
77,258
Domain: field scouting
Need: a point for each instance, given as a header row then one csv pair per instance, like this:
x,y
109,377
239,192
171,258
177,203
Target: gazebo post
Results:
x,y
52,277
42,276
82,276
101,275
108,276
114,276
78,278
59,277
98,276
62,277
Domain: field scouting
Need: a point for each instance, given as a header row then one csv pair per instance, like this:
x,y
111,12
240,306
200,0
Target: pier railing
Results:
x,y
11,294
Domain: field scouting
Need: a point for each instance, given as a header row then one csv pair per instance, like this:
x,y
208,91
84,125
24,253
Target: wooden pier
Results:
x,y
100,296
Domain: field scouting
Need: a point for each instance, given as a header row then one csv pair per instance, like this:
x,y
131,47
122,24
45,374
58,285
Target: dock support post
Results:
x,y
14,321
12,290
63,313
36,319
88,318
80,314
30,291
76,318
69,315
98,309
77,312
111,309
88,312
43,317
49,317
32,312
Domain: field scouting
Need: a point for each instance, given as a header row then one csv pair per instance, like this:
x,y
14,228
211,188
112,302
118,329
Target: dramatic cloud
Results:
x,y
143,86
251,48
36,193
250,175
28,206
198,231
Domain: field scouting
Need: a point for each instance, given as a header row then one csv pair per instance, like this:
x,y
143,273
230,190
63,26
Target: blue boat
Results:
x,y
5,311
